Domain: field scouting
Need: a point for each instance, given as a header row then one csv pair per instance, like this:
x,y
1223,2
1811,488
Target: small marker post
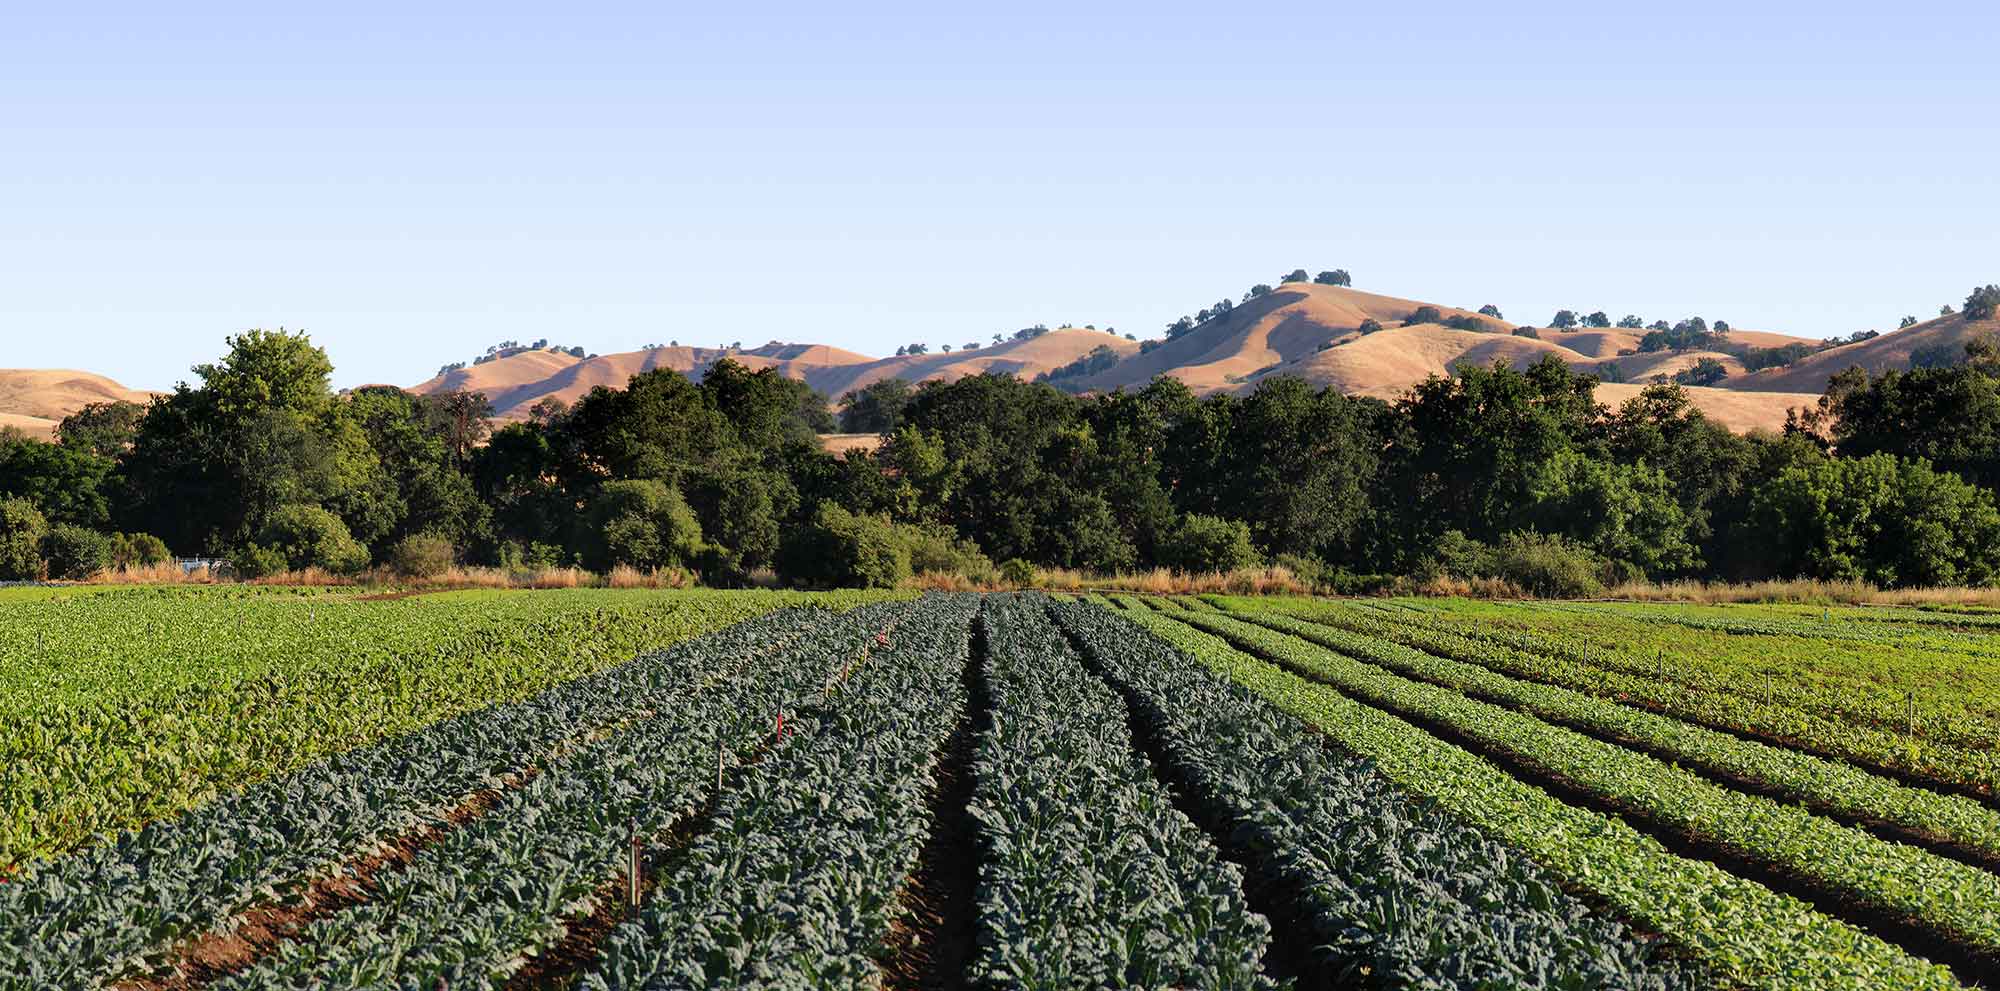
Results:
x,y
1910,711
718,760
632,896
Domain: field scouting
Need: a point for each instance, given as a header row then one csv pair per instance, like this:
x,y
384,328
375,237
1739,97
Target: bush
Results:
x,y
938,549
251,561
22,527
1369,326
1018,573
138,550
1548,566
841,549
311,537
75,553
641,523
422,555
1528,332
1198,543
1424,314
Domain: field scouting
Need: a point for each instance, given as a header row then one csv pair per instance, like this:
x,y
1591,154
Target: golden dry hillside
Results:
x,y
517,382
1889,352
35,400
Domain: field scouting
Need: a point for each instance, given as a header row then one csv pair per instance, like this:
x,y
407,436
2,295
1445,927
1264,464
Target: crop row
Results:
x,y
1089,876
1950,899
1730,710
498,889
119,708
793,885
1749,936
1872,676
100,911
1827,785
1395,893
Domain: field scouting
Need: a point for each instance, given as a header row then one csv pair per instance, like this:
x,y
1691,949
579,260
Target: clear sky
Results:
x,y
411,187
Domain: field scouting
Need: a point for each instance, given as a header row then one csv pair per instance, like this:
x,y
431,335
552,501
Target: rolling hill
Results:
x,y
36,400
1309,330
517,382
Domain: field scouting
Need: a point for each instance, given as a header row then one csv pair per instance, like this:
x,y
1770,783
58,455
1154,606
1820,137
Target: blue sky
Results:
x,y
410,187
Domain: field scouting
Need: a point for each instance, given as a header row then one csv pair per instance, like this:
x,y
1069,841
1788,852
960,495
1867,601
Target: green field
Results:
x,y
1001,791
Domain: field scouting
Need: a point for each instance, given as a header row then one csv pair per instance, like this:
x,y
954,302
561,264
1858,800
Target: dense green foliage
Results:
x,y
1057,774
1394,893
145,714
1747,934
1493,472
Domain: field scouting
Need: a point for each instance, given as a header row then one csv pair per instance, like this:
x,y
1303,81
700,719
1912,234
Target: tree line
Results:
x,y
1519,475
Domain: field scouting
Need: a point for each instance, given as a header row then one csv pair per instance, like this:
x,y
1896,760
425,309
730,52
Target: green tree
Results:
x,y
1337,277
67,484
311,537
1489,310
1705,371
1198,544
1563,320
104,429
75,553
841,549
876,408
1297,275
641,523
1983,302
22,528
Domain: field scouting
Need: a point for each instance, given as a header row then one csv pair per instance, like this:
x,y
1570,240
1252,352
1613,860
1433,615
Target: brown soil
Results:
x,y
936,934
228,950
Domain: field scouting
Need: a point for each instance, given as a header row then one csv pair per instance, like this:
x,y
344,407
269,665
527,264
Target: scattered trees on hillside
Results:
x,y
1705,371
1489,310
876,408
1337,277
1906,323
1983,302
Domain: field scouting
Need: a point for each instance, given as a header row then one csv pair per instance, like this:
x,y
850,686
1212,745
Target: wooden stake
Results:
x,y
718,761
637,866
1910,711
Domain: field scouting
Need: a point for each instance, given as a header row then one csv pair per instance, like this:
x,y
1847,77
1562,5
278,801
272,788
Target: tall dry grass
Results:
x,y
1162,581
154,574
624,576
1803,591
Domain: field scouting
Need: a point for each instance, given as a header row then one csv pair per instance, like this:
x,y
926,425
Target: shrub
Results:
x,y
842,549
311,537
1527,332
422,555
1018,573
642,523
1369,326
22,527
1424,314
251,561
938,549
139,550
75,553
1198,543
1548,566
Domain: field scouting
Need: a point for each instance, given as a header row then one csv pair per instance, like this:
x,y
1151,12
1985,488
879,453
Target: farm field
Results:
x,y
613,790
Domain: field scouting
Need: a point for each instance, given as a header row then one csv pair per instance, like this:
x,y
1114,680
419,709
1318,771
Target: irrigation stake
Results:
x,y
633,895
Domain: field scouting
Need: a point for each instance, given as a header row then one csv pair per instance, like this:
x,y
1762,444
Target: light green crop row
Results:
x,y
1751,936
1951,899
1771,714
1826,785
